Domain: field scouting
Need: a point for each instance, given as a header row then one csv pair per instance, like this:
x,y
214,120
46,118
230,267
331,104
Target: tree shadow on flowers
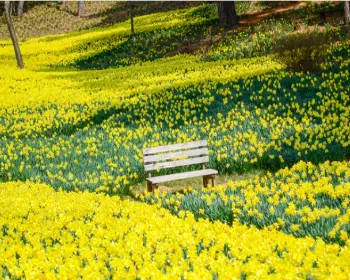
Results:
x,y
147,46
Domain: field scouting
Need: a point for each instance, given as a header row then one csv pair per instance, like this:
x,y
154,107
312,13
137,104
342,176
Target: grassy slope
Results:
x,y
48,18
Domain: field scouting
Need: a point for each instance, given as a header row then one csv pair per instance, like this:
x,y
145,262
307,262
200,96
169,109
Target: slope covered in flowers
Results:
x,y
86,129
79,234
65,129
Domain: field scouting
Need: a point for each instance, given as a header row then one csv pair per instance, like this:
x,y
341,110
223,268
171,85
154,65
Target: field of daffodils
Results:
x,y
71,139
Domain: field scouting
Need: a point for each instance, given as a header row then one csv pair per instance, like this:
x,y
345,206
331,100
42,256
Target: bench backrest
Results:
x,y
170,156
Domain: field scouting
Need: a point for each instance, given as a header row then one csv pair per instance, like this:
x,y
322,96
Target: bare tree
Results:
x,y
131,7
20,8
7,14
347,13
227,14
80,7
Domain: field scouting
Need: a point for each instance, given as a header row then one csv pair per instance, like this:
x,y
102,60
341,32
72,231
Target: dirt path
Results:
x,y
254,18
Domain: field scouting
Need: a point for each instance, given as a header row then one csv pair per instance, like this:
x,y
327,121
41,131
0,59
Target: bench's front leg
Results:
x,y
213,180
205,181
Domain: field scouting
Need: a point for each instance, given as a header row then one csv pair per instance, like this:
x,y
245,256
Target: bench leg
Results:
x,y
205,181
149,186
213,180
154,186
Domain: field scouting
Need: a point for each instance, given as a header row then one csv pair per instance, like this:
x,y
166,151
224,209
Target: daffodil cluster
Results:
x,y
57,235
305,200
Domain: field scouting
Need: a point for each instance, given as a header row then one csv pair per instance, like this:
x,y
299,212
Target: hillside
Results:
x,y
74,122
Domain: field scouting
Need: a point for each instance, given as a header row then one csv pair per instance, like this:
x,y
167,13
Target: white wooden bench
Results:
x,y
171,156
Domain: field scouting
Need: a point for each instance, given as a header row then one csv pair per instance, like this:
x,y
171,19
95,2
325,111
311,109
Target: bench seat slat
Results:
x,y
176,163
163,157
184,175
175,147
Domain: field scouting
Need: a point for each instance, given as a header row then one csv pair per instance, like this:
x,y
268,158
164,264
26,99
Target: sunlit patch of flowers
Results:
x,y
46,235
305,200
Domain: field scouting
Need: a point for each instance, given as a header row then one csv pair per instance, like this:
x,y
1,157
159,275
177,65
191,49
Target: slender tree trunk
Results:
x,y
131,6
323,17
347,13
227,14
80,7
20,8
13,35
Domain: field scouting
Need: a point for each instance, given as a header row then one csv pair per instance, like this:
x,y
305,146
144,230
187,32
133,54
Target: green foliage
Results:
x,y
255,41
304,51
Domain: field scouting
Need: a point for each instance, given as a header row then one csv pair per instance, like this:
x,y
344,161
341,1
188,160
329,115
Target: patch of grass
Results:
x,y
197,183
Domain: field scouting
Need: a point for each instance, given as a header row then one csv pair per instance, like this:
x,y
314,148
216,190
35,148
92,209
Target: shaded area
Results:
x,y
205,38
120,11
259,31
146,47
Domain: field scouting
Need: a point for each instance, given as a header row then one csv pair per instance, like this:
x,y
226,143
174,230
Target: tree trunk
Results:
x,y
20,8
323,17
131,6
347,13
13,35
227,14
80,7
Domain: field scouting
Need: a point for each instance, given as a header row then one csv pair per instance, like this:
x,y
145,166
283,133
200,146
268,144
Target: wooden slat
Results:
x,y
162,149
176,163
184,175
166,156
